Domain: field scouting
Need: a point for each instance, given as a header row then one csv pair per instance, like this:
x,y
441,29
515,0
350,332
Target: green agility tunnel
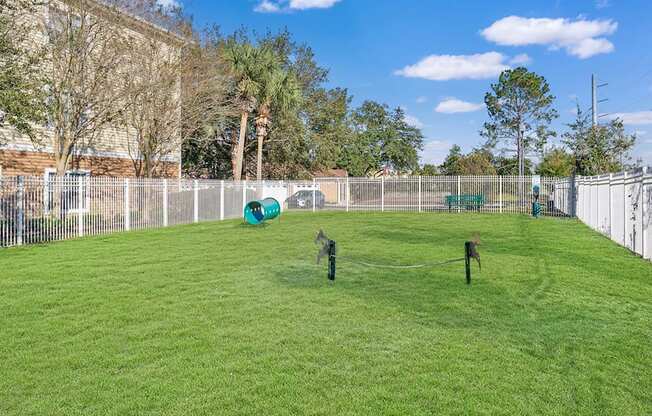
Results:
x,y
257,212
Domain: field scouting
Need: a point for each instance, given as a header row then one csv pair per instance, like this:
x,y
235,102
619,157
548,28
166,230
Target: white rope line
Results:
x,y
392,266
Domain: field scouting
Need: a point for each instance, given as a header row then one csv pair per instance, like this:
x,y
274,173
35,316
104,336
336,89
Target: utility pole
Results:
x,y
594,99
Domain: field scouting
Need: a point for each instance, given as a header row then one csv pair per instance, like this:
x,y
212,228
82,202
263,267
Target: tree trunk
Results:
x,y
237,173
62,165
261,132
57,193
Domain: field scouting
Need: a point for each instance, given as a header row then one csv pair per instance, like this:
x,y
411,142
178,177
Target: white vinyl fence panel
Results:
x,y
42,209
620,207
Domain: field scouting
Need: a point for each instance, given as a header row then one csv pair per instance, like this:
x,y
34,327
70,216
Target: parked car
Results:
x,y
304,199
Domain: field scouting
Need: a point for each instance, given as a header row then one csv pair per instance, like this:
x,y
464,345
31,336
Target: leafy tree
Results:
x,y
281,93
296,143
382,139
450,165
83,52
475,163
151,112
556,163
508,166
519,107
478,162
248,65
328,126
319,134
598,149
21,95
428,170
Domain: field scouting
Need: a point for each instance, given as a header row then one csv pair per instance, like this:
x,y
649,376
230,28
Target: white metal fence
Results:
x,y
41,209
620,207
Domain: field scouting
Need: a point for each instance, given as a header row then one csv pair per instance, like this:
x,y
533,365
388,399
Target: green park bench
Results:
x,y
469,202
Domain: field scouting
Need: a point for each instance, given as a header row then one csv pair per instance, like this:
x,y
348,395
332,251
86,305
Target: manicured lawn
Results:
x,y
222,319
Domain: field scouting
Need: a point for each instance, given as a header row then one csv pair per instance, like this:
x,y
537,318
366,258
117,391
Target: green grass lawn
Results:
x,y
223,319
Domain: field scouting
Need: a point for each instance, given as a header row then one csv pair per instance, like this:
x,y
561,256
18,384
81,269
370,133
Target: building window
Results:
x,y
67,190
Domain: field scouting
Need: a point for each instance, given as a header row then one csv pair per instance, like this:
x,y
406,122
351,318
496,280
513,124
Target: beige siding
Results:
x,y
111,142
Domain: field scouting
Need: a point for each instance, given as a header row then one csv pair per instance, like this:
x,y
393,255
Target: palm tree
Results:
x,y
249,66
282,92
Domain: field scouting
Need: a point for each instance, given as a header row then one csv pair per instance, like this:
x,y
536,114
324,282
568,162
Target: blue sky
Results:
x,y
437,59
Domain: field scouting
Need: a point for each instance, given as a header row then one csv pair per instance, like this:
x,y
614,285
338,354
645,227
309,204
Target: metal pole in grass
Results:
x,y
467,261
332,255
165,203
126,200
20,212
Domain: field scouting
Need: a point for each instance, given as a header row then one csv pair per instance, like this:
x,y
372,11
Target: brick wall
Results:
x,y
15,163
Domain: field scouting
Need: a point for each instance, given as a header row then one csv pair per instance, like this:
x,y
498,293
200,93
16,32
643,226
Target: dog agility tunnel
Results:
x,y
257,212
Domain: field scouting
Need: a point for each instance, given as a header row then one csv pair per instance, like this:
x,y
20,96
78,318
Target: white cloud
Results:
x,y
521,59
414,121
640,133
453,105
601,4
422,100
278,6
312,4
579,37
447,67
435,151
267,6
637,118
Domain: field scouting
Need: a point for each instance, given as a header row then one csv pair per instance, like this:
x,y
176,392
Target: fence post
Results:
x,y
500,194
625,209
20,210
420,201
643,203
166,220
459,192
338,192
80,206
573,196
221,200
314,194
195,189
348,194
244,196
611,220
126,198
382,194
